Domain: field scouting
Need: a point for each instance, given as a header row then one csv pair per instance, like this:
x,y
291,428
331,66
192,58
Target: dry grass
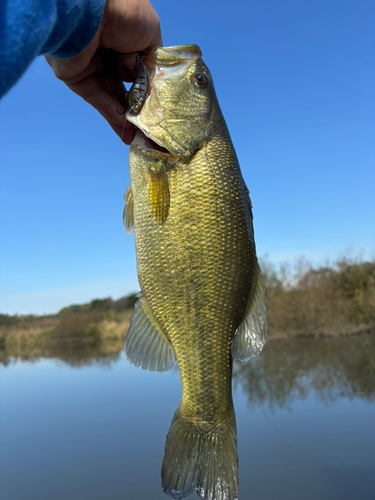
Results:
x,y
75,338
102,324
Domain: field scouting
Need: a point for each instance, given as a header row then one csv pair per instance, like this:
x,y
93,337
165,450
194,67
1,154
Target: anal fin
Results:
x,y
251,335
145,344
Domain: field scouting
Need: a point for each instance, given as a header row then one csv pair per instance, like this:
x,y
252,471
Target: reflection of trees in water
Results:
x,y
287,370
82,356
77,355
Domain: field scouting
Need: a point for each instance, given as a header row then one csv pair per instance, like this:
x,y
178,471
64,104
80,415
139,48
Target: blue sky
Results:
x,y
295,80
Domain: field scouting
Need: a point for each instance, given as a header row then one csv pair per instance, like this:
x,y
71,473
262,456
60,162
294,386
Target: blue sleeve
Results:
x,y
28,28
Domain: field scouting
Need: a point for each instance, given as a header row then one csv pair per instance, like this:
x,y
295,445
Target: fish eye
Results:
x,y
200,80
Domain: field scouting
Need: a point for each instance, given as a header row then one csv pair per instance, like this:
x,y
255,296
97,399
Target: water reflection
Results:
x,y
76,355
288,370
285,371
104,429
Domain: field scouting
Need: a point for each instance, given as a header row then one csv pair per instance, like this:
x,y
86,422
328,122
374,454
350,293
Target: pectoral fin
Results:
x,y
249,216
248,201
159,192
145,344
250,336
128,214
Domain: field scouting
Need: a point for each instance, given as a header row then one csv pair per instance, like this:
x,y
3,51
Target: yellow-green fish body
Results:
x,y
197,268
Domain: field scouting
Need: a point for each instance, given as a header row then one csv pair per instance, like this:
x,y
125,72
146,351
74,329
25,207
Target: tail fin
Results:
x,y
202,458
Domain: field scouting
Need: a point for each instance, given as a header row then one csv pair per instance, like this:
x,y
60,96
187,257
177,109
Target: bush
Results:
x,y
302,298
79,325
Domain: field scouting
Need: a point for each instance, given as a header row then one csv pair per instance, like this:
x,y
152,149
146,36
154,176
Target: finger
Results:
x,y
114,87
70,68
107,95
108,103
125,134
130,26
62,69
128,66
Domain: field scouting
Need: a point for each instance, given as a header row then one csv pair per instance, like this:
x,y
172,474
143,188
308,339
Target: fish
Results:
x,y
203,300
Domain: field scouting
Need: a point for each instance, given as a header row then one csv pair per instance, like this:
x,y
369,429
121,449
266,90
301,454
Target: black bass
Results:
x,y
203,300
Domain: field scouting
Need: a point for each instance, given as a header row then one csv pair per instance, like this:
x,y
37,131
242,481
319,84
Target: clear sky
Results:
x,y
295,80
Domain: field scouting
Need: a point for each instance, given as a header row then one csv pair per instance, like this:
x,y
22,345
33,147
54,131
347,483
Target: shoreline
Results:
x,y
113,338
350,331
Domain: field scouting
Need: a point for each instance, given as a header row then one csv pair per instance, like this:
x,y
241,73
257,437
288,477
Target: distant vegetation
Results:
x,y
332,300
329,300
100,326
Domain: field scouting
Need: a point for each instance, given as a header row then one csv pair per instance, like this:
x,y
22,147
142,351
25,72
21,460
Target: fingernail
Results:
x,y
130,61
120,111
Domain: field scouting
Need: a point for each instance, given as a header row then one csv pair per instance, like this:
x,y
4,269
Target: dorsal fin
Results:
x,y
145,344
250,336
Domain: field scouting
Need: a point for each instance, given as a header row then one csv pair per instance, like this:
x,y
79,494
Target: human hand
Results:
x,y
97,73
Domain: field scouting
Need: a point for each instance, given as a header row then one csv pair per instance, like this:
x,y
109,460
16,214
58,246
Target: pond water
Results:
x,y
75,426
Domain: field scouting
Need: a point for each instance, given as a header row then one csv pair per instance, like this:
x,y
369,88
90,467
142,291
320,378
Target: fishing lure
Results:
x,y
138,92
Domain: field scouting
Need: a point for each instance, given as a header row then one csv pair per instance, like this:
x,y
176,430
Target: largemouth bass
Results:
x,y
203,300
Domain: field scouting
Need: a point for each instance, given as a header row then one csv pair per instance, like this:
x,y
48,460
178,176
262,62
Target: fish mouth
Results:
x,y
170,63
144,142
153,145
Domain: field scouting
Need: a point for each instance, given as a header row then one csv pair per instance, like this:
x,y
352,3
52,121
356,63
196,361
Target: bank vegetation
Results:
x,y
303,301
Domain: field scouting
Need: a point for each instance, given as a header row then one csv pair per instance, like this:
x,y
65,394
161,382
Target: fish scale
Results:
x,y
217,241
197,269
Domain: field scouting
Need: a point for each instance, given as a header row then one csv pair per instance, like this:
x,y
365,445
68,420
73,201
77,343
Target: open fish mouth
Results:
x,y
142,141
153,145
169,63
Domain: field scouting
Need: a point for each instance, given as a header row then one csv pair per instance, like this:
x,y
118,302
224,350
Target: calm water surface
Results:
x,y
77,427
